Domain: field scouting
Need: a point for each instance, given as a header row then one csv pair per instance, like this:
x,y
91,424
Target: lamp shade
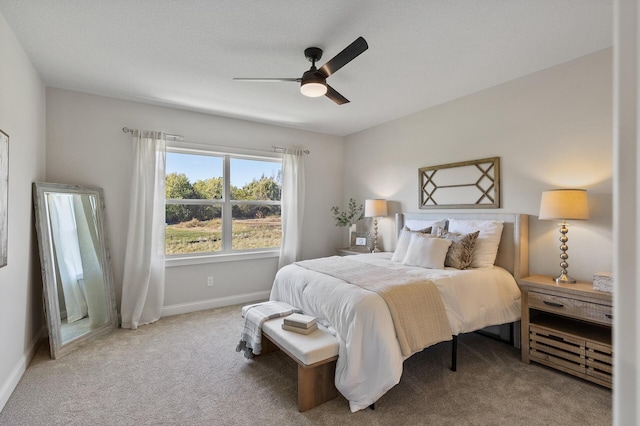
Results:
x,y
375,208
564,204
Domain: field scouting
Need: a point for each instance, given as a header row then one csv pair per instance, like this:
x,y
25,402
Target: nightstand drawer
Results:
x,y
574,308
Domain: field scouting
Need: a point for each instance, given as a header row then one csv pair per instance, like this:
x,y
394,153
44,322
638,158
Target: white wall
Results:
x,y
22,117
86,145
551,129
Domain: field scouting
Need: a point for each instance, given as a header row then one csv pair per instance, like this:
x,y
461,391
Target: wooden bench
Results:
x,y
315,354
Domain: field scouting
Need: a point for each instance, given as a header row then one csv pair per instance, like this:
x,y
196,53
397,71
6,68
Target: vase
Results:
x,y
352,230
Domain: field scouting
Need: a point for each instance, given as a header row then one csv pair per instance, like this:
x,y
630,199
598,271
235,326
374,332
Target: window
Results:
x,y
219,203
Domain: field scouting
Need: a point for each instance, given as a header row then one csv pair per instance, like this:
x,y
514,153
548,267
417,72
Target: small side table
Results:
x,y
568,327
349,251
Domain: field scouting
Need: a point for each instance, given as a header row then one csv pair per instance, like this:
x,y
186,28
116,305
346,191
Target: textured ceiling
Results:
x,y
184,54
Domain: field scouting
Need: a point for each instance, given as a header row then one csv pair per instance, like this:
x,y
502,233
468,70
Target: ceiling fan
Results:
x,y
313,82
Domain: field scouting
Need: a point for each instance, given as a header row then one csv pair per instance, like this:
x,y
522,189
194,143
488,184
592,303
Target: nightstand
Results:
x,y
567,327
350,251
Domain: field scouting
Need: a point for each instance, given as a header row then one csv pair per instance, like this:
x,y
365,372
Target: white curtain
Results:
x,y
67,254
143,280
92,274
292,206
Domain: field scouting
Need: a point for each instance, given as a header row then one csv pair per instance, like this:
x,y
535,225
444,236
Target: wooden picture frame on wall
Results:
x,y
4,197
465,185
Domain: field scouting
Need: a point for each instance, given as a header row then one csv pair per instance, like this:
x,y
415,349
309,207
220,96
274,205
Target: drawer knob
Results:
x,y
610,316
554,304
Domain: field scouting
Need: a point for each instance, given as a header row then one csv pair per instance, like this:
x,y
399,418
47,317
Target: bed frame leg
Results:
x,y
454,353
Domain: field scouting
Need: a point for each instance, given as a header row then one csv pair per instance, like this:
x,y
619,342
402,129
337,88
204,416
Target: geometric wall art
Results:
x,y
463,185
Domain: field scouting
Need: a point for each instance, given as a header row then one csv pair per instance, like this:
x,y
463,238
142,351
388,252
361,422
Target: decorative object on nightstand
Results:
x,y
602,281
360,242
564,204
375,209
352,214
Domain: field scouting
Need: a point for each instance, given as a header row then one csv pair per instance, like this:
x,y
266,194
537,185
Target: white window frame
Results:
x,y
226,254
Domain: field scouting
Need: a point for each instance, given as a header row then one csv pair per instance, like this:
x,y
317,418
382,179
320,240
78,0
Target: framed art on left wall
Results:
x,y
4,196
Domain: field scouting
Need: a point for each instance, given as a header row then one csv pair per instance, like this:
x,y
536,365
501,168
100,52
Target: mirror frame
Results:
x,y
50,292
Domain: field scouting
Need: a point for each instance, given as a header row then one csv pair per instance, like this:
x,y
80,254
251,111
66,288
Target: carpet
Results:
x,y
183,370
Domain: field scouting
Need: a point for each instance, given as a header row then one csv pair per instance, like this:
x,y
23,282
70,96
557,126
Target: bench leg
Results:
x,y
268,345
316,385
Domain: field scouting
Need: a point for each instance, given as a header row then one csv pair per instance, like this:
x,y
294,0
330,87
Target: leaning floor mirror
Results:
x,y
79,295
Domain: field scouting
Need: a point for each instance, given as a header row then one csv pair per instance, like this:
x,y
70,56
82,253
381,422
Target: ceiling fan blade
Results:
x,y
268,80
347,55
335,96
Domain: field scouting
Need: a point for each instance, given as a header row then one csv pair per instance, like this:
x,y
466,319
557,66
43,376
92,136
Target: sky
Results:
x,y
199,167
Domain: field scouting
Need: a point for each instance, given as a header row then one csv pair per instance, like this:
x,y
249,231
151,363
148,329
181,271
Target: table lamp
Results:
x,y
563,205
375,209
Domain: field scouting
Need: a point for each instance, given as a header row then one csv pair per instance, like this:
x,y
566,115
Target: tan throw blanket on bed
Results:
x,y
417,310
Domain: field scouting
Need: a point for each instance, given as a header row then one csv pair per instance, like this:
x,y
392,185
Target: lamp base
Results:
x,y
563,278
375,236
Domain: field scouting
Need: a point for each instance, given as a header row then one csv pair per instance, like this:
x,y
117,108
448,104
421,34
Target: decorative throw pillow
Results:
x,y
403,243
426,251
461,251
484,255
418,224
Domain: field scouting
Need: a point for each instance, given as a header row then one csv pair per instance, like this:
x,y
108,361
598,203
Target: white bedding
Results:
x,y
369,360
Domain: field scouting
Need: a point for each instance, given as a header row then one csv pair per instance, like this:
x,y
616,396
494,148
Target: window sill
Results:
x,y
186,260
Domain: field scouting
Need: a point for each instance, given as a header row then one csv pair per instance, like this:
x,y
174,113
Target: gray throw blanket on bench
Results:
x,y
415,304
254,316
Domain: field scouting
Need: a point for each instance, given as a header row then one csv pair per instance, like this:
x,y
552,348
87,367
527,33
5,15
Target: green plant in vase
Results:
x,y
350,216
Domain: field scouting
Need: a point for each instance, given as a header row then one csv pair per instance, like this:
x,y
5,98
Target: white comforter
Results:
x,y
369,360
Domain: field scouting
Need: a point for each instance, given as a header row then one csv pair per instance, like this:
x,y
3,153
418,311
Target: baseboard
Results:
x,y
184,308
10,384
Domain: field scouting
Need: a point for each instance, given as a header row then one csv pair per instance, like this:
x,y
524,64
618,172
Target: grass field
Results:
x,y
206,236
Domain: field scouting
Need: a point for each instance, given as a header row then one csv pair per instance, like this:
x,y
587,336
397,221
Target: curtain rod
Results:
x,y
280,149
275,148
169,135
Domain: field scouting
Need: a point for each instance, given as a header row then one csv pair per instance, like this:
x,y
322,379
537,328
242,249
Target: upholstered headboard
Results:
x,y
513,252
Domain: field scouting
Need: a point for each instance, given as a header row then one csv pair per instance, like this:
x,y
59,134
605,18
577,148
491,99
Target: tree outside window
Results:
x,y
203,215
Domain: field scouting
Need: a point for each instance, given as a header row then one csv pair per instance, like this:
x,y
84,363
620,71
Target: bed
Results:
x,y
371,354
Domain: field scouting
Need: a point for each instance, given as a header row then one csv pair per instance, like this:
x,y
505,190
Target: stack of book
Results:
x,y
300,323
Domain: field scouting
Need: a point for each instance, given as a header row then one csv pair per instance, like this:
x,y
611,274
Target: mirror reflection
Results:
x,y
79,294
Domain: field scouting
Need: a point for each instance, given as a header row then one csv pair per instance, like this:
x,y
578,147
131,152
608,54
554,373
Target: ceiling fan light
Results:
x,y
313,90
313,84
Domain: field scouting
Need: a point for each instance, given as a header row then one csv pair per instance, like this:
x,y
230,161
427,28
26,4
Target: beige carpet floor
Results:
x,y
184,370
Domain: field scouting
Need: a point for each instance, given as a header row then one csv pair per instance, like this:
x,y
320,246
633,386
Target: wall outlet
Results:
x,y
209,281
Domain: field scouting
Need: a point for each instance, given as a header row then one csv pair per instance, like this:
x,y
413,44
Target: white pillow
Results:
x,y
418,224
426,251
403,243
486,249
